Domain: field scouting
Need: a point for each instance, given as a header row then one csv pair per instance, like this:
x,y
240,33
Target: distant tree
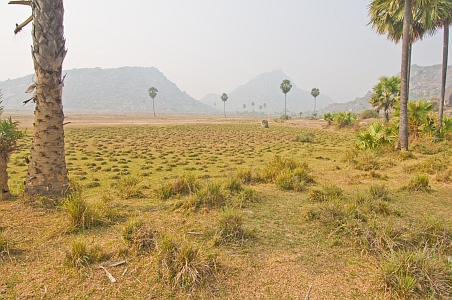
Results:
x,y
265,105
153,93
244,106
224,98
260,107
315,93
285,88
9,135
214,104
252,103
386,94
300,113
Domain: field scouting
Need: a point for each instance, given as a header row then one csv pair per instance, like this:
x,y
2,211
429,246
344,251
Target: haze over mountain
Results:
x,y
265,89
119,89
425,83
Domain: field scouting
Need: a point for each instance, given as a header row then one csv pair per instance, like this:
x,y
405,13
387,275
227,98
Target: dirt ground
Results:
x,y
78,119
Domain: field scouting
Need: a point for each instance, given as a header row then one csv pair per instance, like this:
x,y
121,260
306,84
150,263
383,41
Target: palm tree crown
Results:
x,y
386,94
224,98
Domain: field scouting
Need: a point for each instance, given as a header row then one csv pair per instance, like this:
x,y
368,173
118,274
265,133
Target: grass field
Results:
x,y
230,210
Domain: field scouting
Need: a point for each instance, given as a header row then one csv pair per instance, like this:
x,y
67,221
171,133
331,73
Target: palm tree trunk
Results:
x,y
315,103
153,109
4,189
285,107
443,74
403,127
47,173
224,108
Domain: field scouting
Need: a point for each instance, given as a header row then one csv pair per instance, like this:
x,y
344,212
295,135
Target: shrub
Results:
x,y
247,195
245,176
369,114
379,192
375,136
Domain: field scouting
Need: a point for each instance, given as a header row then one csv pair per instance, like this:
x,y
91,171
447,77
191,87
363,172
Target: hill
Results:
x,y
425,83
119,89
265,89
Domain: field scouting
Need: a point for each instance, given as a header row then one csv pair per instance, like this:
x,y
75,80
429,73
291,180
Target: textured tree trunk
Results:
x,y
224,108
4,189
443,74
403,127
47,173
315,103
285,107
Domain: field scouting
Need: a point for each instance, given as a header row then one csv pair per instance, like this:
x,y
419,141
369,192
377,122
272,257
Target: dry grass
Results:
x,y
179,242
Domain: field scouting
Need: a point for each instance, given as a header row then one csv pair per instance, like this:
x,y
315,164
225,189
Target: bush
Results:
x,y
209,196
234,185
369,114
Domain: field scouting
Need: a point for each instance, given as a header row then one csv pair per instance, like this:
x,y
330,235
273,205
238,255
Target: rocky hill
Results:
x,y
265,89
120,89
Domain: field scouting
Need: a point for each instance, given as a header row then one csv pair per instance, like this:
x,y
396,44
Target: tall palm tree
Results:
x,y
285,88
386,94
315,92
224,98
403,125
444,20
153,93
47,173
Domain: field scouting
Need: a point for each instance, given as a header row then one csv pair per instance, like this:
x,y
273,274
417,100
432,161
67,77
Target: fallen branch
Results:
x,y
195,233
114,264
112,279
308,293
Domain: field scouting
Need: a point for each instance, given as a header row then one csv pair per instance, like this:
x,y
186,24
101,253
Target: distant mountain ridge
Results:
x,y
425,83
119,89
264,88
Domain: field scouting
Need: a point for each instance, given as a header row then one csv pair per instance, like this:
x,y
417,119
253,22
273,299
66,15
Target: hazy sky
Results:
x,y
213,46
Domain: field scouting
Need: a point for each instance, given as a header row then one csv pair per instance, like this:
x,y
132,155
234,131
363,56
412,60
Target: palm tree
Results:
x,y
444,21
9,135
417,113
285,88
47,173
153,93
224,98
244,106
260,107
315,93
386,94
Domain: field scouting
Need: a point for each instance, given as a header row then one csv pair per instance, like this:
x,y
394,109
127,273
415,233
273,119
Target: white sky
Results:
x,y
213,46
